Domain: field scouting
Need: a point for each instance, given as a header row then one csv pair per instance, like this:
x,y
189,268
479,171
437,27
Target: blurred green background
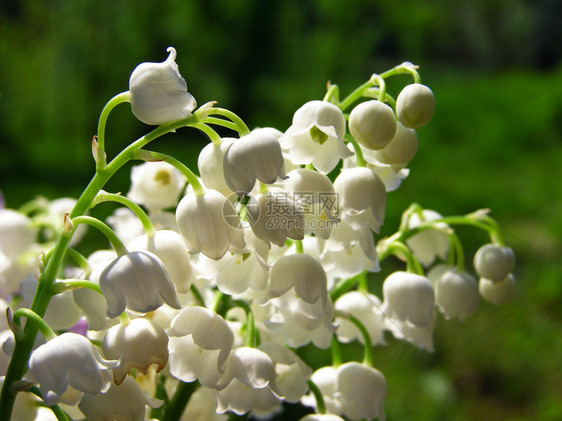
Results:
x,y
494,141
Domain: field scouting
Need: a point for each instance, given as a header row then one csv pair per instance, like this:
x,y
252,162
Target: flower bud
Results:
x,y
254,156
415,105
372,124
494,262
159,93
408,296
497,292
456,292
401,149
139,281
211,166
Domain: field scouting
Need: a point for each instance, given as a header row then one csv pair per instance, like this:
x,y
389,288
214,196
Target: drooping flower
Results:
x,y
138,344
367,309
456,292
254,156
169,246
156,185
69,360
316,136
401,149
209,223
429,244
125,401
211,165
137,280
159,93
497,292
408,296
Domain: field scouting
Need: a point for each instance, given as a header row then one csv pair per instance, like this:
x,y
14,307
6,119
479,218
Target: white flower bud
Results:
x,y
136,344
456,292
415,105
69,360
211,166
408,296
254,156
401,149
171,249
139,281
156,185
497,292
362,192
159,93
16,232
372,124
494,262
125,401
209,224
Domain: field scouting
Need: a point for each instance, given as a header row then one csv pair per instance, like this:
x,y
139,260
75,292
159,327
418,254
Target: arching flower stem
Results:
x,y
358,152
139,212
115,241
335,350
111,104
368,349
80,259
59,413
70,284
320,405
399,249
242,127
33,318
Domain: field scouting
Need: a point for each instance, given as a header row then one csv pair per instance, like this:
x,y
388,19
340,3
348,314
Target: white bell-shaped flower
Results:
x,y
275,216
125,401
316,136
456,292
408,296
291,372
17,233
211,166
138,344
251,383
419,336
361,192
137,280
429,244
69,360
373,124
497,292
156,185
254,156
200,343
415,105
401,149
209,224
159,93
169,246
494,262
202,406
367,309
353,390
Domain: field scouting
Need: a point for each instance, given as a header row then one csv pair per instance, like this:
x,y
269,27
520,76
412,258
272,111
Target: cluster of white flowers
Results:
x,y
216,281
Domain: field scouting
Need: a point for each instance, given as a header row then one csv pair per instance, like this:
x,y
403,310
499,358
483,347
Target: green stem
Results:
x,y
197,295
214,136
320,405
59,413
336,352
160,393
377,80
332,94
34,318
398,248
71,284
105,229
190,175
80,259
252,334
176,405
299,248
242,127
221,122
344,286
111,104
141,214
22,350
456,251
358,152
368,348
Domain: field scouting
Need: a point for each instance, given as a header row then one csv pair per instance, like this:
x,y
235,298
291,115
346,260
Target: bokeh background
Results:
x,y
495,69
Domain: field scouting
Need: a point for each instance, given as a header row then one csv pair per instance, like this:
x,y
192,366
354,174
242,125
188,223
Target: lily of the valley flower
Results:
x,y
415,105
159,93
211,165
209,223
429,244
316,136
353,390
401,149
456,292
254,156
156,185
494,262
497,292
169,246
69,360
125,401
372,124
367,309
137,280
362,197
138,344
408,296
